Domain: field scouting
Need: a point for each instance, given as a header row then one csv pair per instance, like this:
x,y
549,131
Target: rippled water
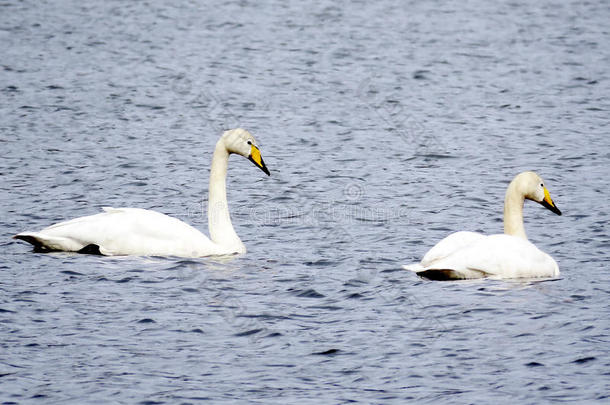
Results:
x,y
386,125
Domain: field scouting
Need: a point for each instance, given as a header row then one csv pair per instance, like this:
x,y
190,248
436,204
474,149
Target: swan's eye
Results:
x,y
541,185
249,142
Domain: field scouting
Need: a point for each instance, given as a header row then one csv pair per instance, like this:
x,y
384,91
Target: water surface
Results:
x,y
386,125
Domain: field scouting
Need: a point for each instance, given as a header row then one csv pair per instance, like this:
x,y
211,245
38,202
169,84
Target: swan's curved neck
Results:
x,y
513,211
219,220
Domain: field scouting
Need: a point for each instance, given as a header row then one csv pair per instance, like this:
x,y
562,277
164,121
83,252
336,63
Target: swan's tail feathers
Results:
x,y
414,267
46,243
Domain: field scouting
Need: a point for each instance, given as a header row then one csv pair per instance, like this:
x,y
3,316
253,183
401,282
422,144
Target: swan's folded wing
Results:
x,y
452,243
125,231
443,249
499,256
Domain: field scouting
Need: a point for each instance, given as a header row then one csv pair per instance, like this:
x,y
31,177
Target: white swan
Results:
x,y
468,255
135,231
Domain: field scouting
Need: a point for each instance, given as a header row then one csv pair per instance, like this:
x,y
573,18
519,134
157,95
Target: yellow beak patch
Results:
x,y
547,202
255,155
547,197
257,159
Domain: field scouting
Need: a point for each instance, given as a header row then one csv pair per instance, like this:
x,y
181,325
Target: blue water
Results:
x,y
386,125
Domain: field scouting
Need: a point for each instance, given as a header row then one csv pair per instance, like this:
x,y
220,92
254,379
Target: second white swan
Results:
x,y
135,231
468,255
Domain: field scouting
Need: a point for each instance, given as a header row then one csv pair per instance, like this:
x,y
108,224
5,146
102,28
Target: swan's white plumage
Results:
x,y
445,248
135,231
496,256
449,245
468,255
128,231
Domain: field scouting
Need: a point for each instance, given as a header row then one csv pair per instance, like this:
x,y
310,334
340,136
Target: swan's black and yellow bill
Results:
x,y
256,158
547,202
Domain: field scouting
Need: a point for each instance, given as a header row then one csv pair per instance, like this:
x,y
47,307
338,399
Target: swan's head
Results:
x,y
242,142
532,187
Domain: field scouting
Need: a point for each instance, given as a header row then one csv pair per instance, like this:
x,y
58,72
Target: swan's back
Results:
x,y
443,249
124,231
449,245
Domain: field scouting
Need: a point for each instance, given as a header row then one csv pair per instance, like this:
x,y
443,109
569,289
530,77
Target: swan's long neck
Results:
x,y
219,220
513,211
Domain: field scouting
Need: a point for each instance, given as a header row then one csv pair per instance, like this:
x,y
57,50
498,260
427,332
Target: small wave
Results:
x,y
329,352
308,293
248,332
584,360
